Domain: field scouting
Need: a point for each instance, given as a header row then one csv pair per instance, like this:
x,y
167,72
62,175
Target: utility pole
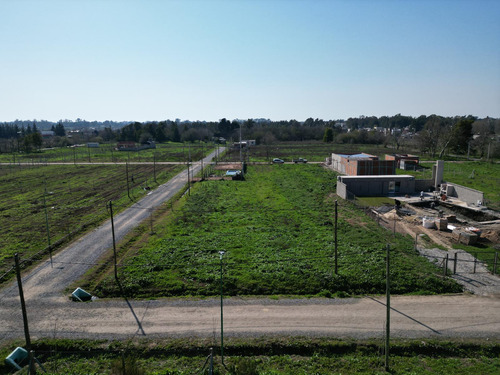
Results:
x,y
151,219
32,369
189,183
241,160
154,167
221,254
388,309
128,187
202,156
336,253
47,223
113,234
211,369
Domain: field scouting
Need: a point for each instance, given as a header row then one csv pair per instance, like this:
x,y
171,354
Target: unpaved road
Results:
x,y
454,316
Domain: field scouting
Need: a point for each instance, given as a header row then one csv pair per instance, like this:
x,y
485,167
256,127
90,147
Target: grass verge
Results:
x,y
284,355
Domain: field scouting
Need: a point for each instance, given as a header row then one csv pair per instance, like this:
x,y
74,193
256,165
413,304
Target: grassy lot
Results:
x,y
174,152
477,175
277,230
263,356
375,201
75,199
312,151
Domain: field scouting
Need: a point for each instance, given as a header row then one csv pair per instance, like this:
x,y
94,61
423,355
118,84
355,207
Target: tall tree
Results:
x,y
176,135
328,137
462,134
59,129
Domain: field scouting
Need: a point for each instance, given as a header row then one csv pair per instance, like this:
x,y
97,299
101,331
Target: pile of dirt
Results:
x,y
391,216
492,235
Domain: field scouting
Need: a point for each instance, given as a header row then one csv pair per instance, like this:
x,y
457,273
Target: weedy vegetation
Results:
x,y
284,355
164,152
70,199
277,229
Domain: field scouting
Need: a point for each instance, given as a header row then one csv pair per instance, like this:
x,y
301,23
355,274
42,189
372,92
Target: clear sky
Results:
x,y
279,59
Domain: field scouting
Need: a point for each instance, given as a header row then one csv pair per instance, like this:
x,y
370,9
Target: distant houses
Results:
x,y
245,143
132,146
404,161
47,134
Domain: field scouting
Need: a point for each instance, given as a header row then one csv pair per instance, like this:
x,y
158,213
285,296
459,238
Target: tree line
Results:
x,y
434,135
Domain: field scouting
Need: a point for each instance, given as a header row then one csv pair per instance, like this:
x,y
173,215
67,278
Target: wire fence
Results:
x,y
91,152
63,204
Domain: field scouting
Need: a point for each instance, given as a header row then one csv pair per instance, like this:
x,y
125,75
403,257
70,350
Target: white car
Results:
x,y
278,161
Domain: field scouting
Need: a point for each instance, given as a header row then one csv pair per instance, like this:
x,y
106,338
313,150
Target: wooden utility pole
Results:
x,y
128,187
221,254
154,167
32,369
47,222
113,234
189,182
202,156
388,309
336,253
151,220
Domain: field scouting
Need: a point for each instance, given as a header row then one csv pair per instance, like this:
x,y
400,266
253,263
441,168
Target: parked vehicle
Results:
x,y
299,160
278,161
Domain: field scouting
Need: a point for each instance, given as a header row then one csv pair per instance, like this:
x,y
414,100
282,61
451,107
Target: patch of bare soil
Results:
x,y
469,272
492,235
356,222
412,225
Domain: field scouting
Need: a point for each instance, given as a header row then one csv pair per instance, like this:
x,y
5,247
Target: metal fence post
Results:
x,y
445,265
495,263
455,263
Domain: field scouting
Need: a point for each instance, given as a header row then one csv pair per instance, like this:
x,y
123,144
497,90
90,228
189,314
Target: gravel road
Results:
x,y
451,316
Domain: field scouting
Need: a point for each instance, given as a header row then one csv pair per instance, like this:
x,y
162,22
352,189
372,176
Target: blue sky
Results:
x,y
278,59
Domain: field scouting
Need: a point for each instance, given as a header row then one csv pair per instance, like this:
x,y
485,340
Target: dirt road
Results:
x,y
454,316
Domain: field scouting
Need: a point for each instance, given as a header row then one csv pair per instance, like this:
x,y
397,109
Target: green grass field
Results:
x,y
265,356
277,229
173,152
76,196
